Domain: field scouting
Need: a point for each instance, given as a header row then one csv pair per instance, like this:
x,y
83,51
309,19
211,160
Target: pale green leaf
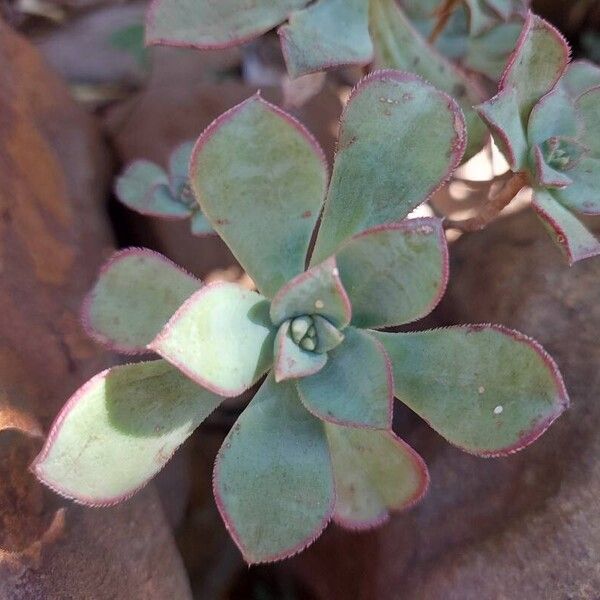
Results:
x,y
119,429
221,338
400,139
355,387
396,273
260,179
375,472
273,479
489,390
136,293
313,39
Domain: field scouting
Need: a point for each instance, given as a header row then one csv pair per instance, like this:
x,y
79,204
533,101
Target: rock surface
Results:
x,y
53,235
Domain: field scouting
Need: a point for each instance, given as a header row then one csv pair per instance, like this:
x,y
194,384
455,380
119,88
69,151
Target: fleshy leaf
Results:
x,y
312,41
398,45
260,179
552,117
588,109
375,472
207,24
179,163
581,76
221,338
119,429
355,387
328,336
569,234
546,175
291,361
273,480
318,290
144,187
200,225
394,273
583,195
488,390
136,293
539,59
400,139
501,113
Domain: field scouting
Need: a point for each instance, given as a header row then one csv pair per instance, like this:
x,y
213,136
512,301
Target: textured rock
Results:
x,y
527,526
53,236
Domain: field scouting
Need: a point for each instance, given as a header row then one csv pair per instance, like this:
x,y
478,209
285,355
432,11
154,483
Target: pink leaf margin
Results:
x,y
562,239
384,516
329,264
37,466
86,317
420,226
156,344
532,435
279,371
458,145
235,536
389,373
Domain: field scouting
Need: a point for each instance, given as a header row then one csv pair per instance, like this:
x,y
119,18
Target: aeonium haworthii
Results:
x,y
315,443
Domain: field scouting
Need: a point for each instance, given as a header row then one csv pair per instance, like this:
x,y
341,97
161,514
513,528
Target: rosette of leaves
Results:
x,y
479,34
146,188
315,443
546,120
317,36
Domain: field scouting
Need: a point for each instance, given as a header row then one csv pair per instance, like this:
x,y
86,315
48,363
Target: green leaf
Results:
x,y
119,429
400,139
375,472
395,273
207,24
221,338
291,361
540,58
273,480
312,41
552,116
398,45
501,114
179,163
200,225
567,232
581,76
588,110
144,187
489,390
316,291
355,387
583,195
328,336
136,293
545,175
260,179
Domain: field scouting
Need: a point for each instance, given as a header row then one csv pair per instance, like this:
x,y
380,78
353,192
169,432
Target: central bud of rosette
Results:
x,y
310,311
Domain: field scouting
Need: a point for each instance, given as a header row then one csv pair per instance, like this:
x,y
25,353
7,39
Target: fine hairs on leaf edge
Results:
x,y
387,512
543,425
85,312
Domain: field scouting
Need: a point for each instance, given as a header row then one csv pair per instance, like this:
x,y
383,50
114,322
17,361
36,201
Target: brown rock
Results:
x,y
527,526
53,177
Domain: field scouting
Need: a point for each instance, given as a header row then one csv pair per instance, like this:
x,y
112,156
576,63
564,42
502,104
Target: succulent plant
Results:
x,y
546,120
316,441
146,188
317,36
478,34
